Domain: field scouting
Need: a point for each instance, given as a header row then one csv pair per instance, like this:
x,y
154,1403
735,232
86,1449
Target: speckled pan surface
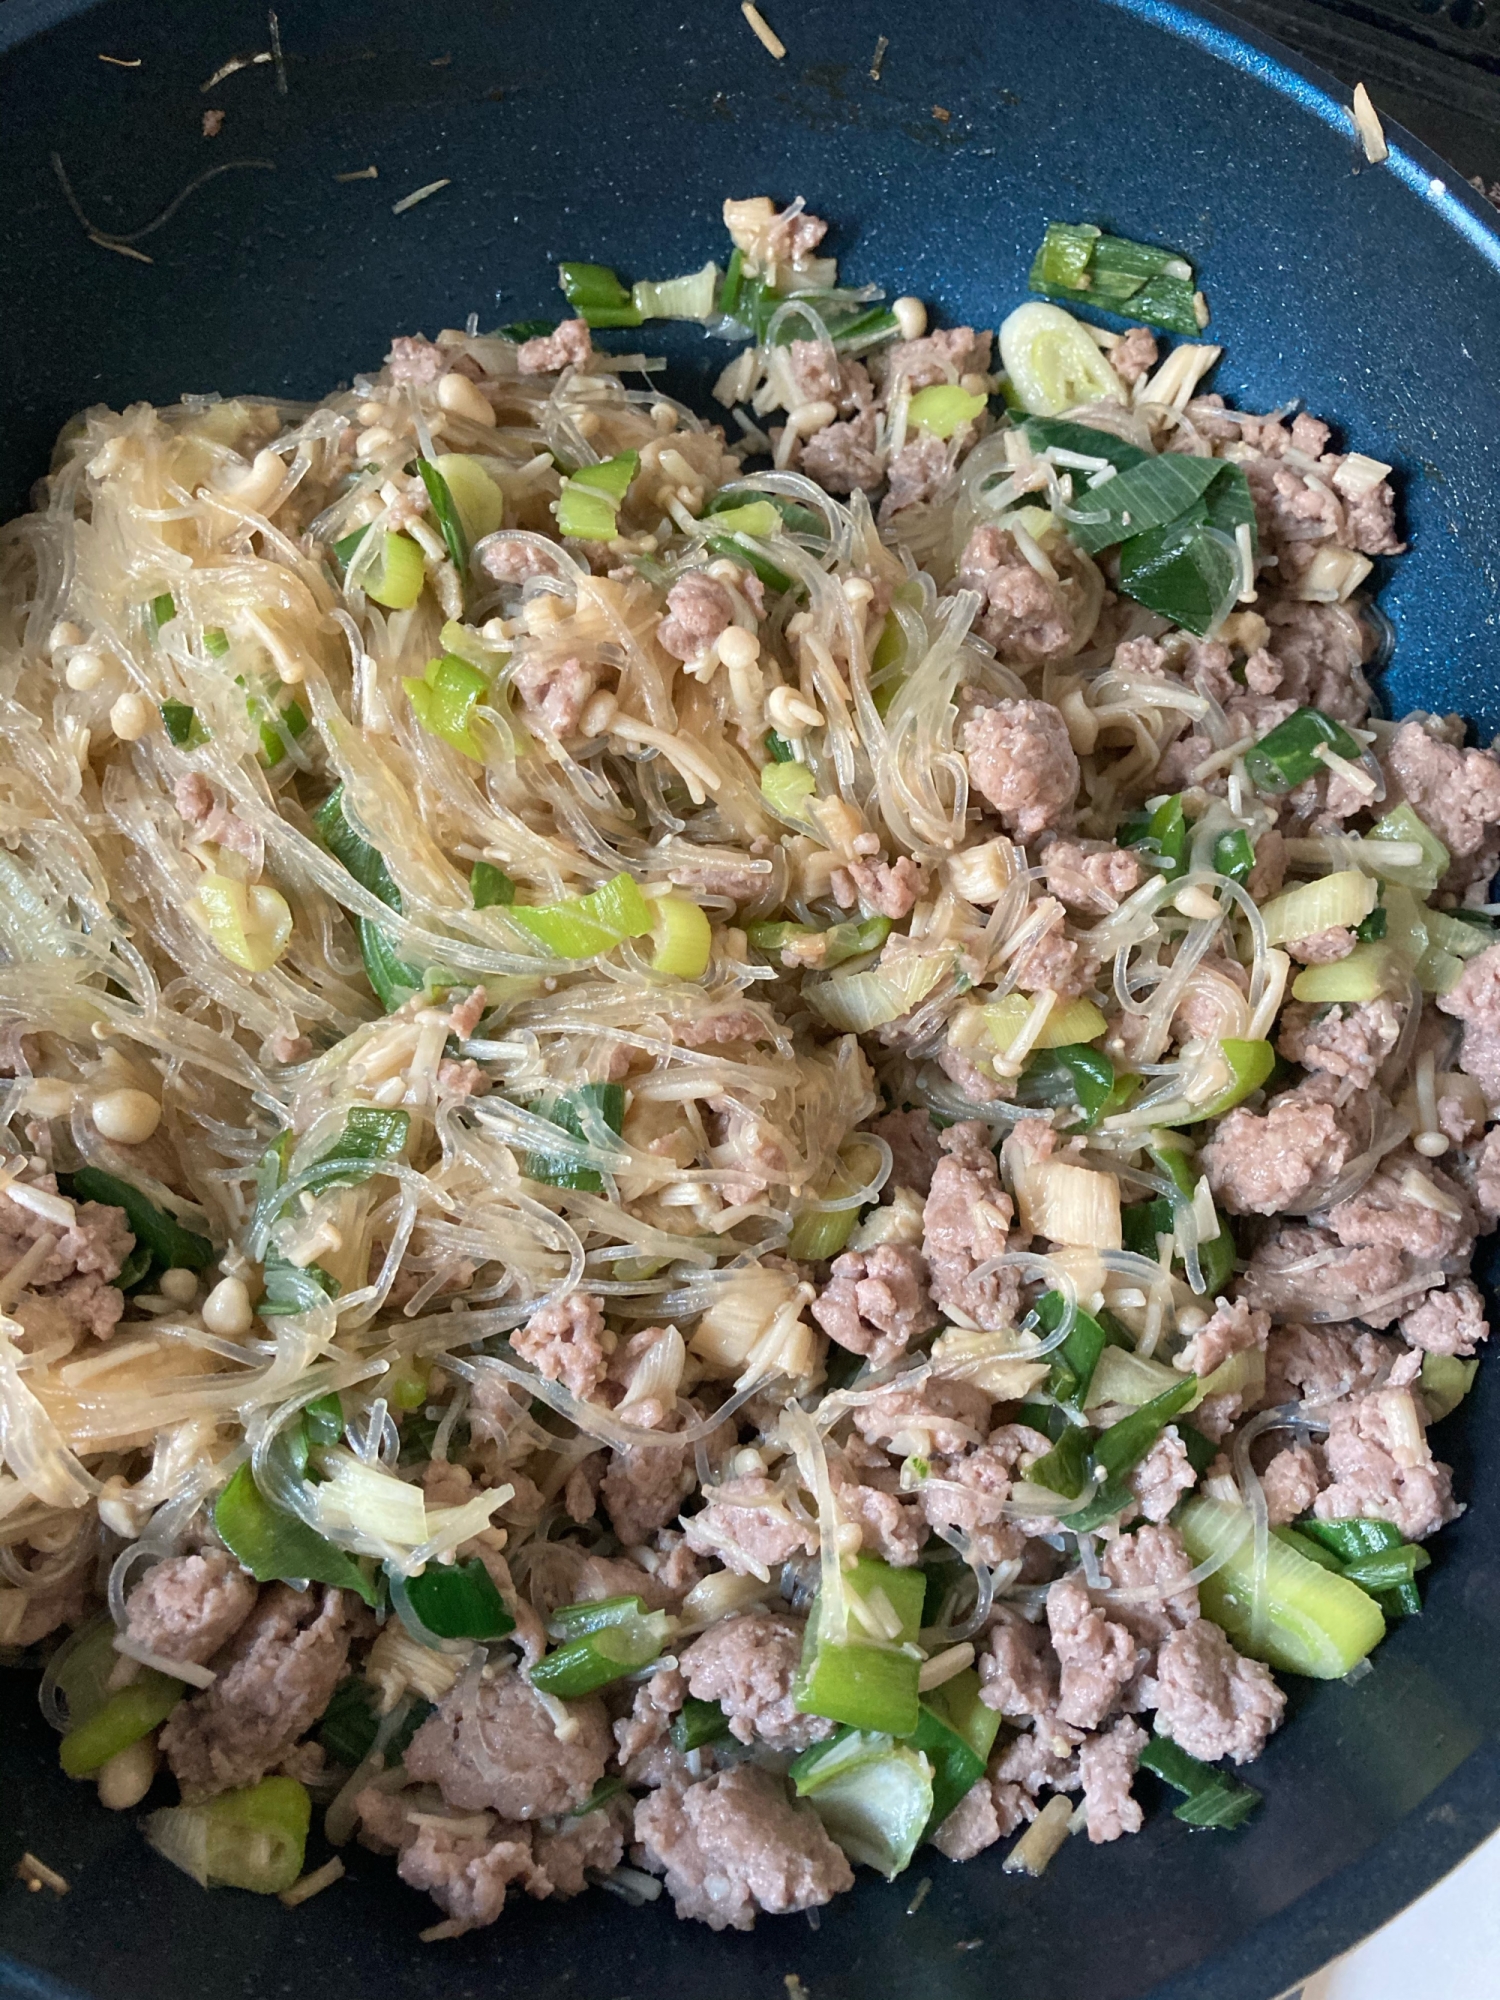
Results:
x,y
571,130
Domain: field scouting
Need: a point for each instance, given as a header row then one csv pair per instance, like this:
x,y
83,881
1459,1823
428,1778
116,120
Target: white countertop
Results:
x,y
1445,1947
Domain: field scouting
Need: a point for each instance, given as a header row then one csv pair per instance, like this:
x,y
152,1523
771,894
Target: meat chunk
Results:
x,y
1132,357
1475,1001
1017,1672
969,1491
918,474
944,356
942,1415
492,1745
915,1149
1107,1764
593,1840
565,1342
747,1664
1343,1041
1290,1483
1234,1328
748,1527
735,1845
1091,876
1264,1163
569,347
1099,1659
699,608
643,1488
1324,947
1382,1466
887,888
819,375
70,1291
1455,792
1152,1595
890,1529
1398,1207
964,1227
1163,1476
466,1870
646,1753
971,1827
274,1681
1211,1700
876,1302
187,1607
1318,1364
1305,1273
554,691
1318,648
1024,616
843,458
1448,1322
1020,757
413,359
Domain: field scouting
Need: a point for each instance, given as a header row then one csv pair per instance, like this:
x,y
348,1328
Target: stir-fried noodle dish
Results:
x,y
727,1147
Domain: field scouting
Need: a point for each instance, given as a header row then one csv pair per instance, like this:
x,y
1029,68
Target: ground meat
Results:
x,y
1318,1364
887,888
969,1491
820,376
1448,1322
842,457
945,1414
699,608
1234,1328
1018,1675
187,1607
1370,522
1024,616
889,1529
594,1841
1039,1758
876,1302
273,1683
1343,1041
1384,1214
565,1342
514,562
1269,872
918,473
943,356
1290,1482
732,1024
1091,876
746,1526
747,1664
1053,963
211,820
643,1743
1318,648
1163,1476
1098,1658
965,1225
1106,1765
735,1845
1382,1466
971,1827
915,1148
466,1870
1455,792
1304,1273
1263,1163
413,359
643,1488
95,1245
1132,357
1211,1700
569,347
1021,759
492,1744
1475,1001
554,691
1323,947
1149,1571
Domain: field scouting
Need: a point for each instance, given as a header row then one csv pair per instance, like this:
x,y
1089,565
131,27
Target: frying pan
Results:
x,y
1369,292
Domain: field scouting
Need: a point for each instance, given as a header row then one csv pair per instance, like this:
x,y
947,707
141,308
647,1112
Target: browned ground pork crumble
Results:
x,y
1344,1283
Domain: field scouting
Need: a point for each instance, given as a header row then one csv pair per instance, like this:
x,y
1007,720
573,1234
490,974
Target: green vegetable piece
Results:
x,y
293,1288
454,1601
576,1621
1161,837
276,1547
1285,756
253,1839
182,725
584,926
820,1233
875,1797
1373,1555
778,749
489,886
1188,571
370,1136
364,861
697,1723
1313,1623
1073,1363
1212,1798
443,702
599,1657
1249,1064
787,788
446,514
162,610
611,477
1153,494
124,1719
324,1419
522,330
597,295
734,276
1404,825
1201,1450
867,1683
865,330
1064,1469
215,643
396,578
171,1246
756,517
1081,265
277,726
1083,441
579,1115
1445,1381
736,549
1234,855
350,1722
1125,1444
944,408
